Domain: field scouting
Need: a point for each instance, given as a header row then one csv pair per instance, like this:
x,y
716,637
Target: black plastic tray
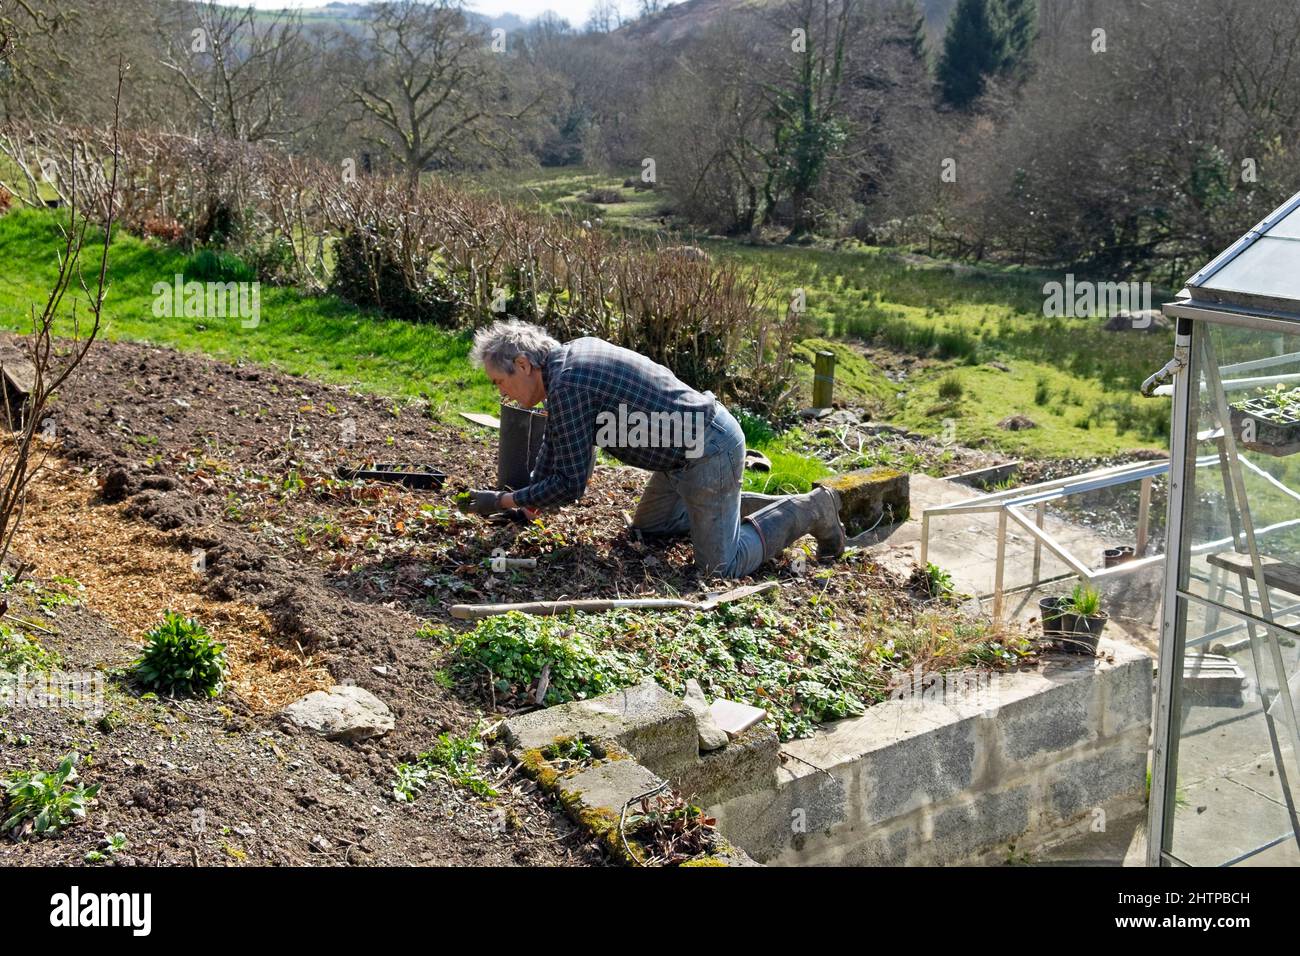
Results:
x,y
412,476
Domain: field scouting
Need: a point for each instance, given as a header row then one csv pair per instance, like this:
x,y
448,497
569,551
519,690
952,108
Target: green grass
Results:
x,y
857,380
321,337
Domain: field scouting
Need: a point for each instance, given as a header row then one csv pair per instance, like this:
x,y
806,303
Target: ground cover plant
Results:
x,y
803,668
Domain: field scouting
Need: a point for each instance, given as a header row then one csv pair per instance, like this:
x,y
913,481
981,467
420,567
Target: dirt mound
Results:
x,y
1017,423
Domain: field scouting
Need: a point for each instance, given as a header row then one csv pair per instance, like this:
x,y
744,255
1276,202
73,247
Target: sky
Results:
x,y
575,11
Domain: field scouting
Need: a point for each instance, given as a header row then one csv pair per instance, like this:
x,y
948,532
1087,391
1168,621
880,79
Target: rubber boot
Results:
x,y
817,513
751,501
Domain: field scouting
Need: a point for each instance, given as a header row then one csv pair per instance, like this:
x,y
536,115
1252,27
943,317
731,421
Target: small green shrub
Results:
x,y
368,272
1042,394
211,265
939,581
758,430
951,388
47,800
18,652
180,657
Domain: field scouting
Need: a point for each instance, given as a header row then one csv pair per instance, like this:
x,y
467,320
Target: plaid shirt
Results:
x,y
585,378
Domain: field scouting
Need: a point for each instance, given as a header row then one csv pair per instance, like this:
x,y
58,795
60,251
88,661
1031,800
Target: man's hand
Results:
x,y
481,503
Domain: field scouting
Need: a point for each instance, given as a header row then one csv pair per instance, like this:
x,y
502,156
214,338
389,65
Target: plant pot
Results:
x,y
1049,613
1080,634
1276,432
1113,556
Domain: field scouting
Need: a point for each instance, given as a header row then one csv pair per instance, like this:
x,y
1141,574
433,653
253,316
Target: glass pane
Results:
x,y
1260,376
1229,797
1288,228
1269,267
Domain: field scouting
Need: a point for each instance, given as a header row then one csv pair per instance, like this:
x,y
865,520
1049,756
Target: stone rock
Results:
x,y
1143,320
869,496
689,253
341,713
711,736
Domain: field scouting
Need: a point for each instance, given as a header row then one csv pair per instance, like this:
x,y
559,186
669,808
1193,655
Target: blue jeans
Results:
x,y
704,498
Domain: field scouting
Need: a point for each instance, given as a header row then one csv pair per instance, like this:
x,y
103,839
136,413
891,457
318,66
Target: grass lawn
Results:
x,y
321,337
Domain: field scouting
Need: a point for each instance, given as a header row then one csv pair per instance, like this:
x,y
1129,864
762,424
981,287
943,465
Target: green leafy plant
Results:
x,y
452,758
939,581
18,652
1084,601
45,803
515,647
571,748
107,848
180,657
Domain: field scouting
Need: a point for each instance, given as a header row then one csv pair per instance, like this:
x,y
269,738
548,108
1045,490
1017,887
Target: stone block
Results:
x,y
1097,779
869,494
608,786
780,818
746,764
650,723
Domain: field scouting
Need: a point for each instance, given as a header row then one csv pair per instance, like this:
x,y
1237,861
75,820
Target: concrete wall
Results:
x,y
958,777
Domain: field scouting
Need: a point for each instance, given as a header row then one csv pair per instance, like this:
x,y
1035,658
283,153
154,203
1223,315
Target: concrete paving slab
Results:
x,y
1222,819
966,547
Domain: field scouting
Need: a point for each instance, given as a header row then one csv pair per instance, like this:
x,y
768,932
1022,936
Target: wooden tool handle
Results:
x,y
475,612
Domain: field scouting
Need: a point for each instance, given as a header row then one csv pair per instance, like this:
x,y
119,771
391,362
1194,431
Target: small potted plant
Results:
x,y
1268,421
1082,620
1049,613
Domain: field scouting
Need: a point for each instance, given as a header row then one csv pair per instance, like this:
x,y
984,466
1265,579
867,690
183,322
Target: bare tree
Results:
x,y
605,17
51,364
241,68
432,88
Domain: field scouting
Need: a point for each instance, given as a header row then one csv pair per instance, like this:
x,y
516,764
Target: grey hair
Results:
x,y
501,342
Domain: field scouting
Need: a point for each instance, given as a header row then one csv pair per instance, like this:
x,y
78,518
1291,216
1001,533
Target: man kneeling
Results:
x,y
640,413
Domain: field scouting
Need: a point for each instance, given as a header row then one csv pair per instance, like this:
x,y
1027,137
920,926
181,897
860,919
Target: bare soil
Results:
x,y
187,484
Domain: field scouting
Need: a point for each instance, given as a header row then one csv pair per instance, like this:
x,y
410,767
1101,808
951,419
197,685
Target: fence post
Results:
x,y
823,379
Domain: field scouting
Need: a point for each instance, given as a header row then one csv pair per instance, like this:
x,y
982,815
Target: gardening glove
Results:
x,y
481,503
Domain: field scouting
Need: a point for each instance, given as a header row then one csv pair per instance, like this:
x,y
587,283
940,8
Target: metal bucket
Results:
x,y
520,441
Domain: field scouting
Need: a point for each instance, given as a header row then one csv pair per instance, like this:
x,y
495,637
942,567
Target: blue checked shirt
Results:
x,y
589,376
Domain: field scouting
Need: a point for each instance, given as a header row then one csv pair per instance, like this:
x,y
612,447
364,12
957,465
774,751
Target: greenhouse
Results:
x,y
1226,739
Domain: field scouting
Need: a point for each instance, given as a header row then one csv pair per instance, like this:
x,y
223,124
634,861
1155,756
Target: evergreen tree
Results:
x,y
985,38
1019,27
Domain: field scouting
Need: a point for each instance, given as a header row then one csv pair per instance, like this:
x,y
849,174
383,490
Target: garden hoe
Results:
x,y
475,612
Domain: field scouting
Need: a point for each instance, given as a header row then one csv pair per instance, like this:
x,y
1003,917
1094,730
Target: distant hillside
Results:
x,y
349,14
682,19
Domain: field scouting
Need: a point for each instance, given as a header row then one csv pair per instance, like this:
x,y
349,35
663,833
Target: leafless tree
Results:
x,y
241,68
605,17
51,363
433,89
